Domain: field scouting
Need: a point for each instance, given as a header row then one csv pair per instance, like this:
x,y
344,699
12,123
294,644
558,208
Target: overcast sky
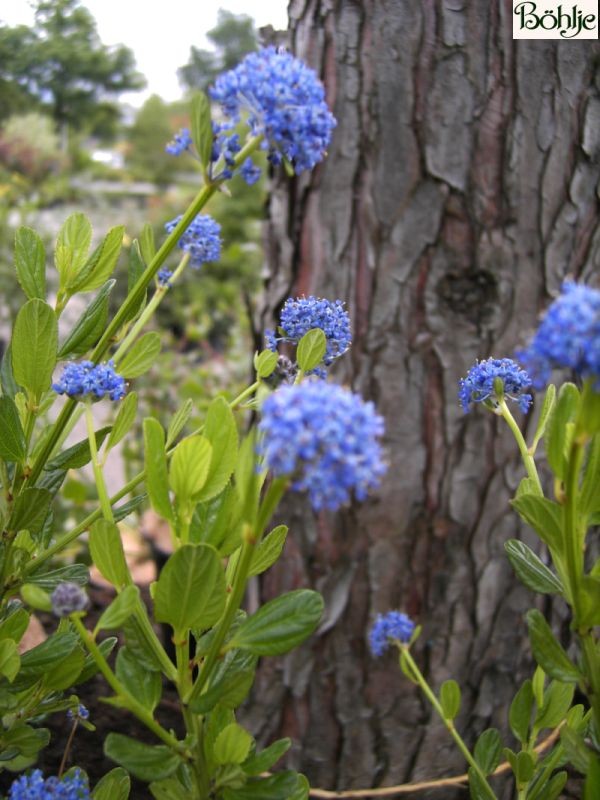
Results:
x,y
160,34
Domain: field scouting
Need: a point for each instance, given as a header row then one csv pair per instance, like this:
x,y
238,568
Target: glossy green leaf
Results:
x,y
121,608
519,716
135,270
548,652
232,745
530,570
12,438
72,247
147,244
63,673
34,346
189,467
115,785
124,420
450,699
557,702
10,661
90,326
30,263
265,363
589,498
35,597
14,625
281,624
28,741
478,790
141,356
143,761
289,785
169,789
544,516
263,761
545,413
179,421
155,461
107,553
30,510
101,264
190,592
79,454
221,431
143,684
268,551
311,349
548,789
233,680
564,412
49,580
201,127
488,750
576,750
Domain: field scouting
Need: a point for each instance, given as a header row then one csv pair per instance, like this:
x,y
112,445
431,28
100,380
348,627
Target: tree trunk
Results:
x,y
459,191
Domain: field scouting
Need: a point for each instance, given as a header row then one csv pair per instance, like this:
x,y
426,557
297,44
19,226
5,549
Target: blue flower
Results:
x,y
202,239
181,142
249,172
481,383
164,276
390,627
67,598
82,713
34,787
285,101
87,378
568,336
300,315
326,439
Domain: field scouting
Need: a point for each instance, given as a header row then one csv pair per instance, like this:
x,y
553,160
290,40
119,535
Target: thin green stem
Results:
x,y
420,679
572,544
115,684
105,503
243,395
528,460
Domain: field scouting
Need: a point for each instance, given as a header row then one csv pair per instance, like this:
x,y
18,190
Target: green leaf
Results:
x,y
41,657
62,674
232,745
549,789
7,379
557,701
592,781
488,750
189,467
289,785
519,716
90,667
565,411
30,510
90,326
230,686
179,421
121,608
450,699
588,418
169,789
537,685
268,551
134,273
147,244
115,785
107,553
143,761
78,455
10,661
589,499
263,761
479,790
190,592
311,349
544,516
221,431
530,570
12,439
28,741
265,363
75,573
34,345
101,264
144,684
72,247
30,263
141,357
576,750
281,624
124,421
14,625
155,460
546,411
202,133
547,651
590,601
35,597
528,486
525,768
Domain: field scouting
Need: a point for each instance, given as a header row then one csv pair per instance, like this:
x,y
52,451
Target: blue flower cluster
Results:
x,y
82,713
285,101
164,276
182,142
67,598
34,787
87,378
202,239
568,336
326,438
482,380
390,627
300,315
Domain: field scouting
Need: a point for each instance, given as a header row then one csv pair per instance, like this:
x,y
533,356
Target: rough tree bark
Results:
x,y
459,191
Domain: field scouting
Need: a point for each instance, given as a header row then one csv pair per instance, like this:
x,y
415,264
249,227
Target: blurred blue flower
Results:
x,y
326,439
482,380
202,239
33,787
67,598
82,713
285,101
393,626
250,172
164,276
181,142
568,336
86,378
